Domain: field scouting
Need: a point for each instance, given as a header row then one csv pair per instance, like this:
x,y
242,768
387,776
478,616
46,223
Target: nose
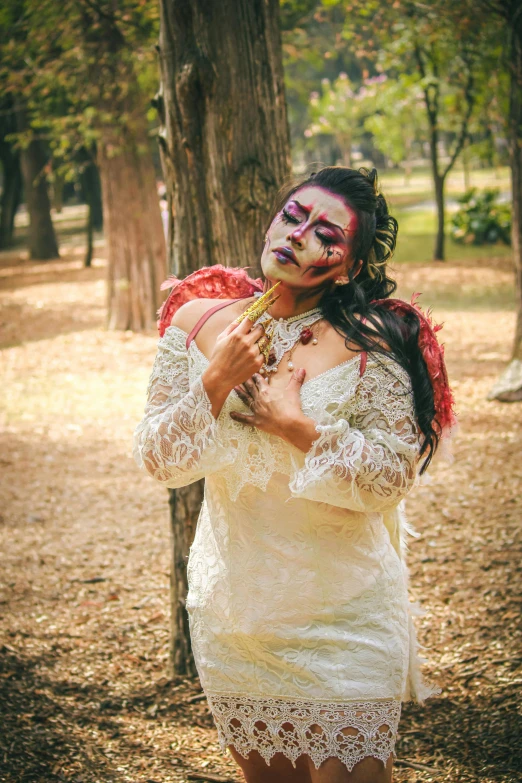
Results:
x,y
296,236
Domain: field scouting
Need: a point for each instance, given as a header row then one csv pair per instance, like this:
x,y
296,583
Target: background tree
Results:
x,y
502,20
397,122
90,76
226,151
23,151
406,38
11,173
340,111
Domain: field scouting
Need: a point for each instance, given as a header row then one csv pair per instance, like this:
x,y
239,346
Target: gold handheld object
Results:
x,y
257,308
255,311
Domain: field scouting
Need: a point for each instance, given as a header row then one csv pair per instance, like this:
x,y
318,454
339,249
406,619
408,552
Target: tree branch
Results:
x,y
463,135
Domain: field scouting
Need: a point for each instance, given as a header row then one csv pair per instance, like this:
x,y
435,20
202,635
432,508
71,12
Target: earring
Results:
x,y
340,282
266,237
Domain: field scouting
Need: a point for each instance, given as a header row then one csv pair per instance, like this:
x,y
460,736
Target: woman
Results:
x,y
299,613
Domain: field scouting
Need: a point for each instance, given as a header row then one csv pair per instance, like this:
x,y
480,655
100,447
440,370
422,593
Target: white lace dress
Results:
x,y
298,604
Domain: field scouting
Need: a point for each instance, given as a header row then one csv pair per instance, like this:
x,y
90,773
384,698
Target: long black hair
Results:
x,y
347,307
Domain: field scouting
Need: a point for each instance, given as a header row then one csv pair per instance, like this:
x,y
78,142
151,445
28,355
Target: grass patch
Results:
x,y
416,240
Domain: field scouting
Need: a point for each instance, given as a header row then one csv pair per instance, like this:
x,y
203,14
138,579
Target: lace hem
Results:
x,y
349,731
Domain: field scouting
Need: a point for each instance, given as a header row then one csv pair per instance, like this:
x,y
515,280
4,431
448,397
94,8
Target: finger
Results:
x,y
244,326
246,398
258,380
244,418
297,378
250,387
256,333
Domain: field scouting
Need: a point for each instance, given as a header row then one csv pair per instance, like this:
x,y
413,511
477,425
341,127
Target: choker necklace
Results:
x,y
285,334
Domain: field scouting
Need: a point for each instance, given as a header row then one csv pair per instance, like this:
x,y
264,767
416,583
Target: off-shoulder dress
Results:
x,y
298,605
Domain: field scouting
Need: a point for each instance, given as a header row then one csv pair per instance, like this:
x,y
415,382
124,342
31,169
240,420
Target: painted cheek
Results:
x,y
329,258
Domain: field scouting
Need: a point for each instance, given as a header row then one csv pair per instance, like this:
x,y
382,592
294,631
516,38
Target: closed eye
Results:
x,y
288,218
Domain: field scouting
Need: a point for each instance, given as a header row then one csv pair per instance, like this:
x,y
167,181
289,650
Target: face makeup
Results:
x,y
309,243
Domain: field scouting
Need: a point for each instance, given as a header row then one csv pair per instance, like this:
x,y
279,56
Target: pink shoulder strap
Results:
x,y
195,329
206,315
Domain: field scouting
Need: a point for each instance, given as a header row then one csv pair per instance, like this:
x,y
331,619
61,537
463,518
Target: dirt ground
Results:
x,y
85,691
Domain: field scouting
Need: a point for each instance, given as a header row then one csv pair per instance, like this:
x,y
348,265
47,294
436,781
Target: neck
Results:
x,y
291,301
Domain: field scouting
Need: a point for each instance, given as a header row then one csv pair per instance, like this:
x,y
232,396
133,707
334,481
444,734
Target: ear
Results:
x,y
357,266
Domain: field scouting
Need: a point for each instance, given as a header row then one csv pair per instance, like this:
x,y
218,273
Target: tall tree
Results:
x,y
507,14
43,244
226,151
89,72
406,38
11,174
29,154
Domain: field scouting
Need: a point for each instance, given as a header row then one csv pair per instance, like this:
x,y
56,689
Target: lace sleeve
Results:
x,y
367,460
178,441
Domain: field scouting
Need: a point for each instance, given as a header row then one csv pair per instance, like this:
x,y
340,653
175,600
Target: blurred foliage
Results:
x,y
355,88
435,51
481,219
76,68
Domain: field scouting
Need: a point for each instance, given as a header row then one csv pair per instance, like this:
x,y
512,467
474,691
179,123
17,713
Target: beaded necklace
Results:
x,y
286,333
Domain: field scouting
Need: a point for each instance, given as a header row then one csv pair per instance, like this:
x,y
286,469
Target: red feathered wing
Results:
x,y
433,353
209,282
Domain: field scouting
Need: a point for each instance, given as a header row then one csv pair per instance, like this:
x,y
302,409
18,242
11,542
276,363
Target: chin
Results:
x,y
274,271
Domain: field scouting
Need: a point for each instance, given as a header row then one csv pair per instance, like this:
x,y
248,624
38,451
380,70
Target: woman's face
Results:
x,y
310,242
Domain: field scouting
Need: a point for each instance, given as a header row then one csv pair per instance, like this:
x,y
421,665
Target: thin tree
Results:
x,y
226,151
509,14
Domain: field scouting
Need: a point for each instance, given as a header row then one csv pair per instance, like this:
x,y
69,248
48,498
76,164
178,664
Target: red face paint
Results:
x,y
318,229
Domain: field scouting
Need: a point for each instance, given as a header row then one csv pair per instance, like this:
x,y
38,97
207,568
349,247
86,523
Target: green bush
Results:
x,y
481,220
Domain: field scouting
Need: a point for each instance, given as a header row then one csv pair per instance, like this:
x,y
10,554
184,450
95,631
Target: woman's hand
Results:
x,y
236,354
273,409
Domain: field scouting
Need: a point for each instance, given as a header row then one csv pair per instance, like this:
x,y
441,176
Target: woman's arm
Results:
x,y
367,463
178,440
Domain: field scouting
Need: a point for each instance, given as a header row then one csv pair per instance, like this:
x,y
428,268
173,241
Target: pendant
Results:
x,y
306,336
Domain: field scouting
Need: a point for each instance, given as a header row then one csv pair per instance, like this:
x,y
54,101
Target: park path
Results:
x,y
85,692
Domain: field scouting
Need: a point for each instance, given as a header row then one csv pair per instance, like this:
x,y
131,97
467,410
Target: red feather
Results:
x,y
209,282
220,282
433,353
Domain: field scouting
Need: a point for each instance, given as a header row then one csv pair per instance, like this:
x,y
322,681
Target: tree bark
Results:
x,y
439,249
225,148
185,505
91,189
225,143
43,244
11,193
133,228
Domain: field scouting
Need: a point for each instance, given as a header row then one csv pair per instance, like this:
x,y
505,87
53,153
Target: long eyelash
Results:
x,y
288,218
325,240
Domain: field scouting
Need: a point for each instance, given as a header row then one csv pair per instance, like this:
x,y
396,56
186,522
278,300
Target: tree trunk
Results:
x,y
11,193
225,147
509,386
89,238
185,505
225,152
43,244
465,167
91,188
133,228
438,252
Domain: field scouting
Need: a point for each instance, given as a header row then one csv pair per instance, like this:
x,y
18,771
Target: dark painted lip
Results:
x,y
287,252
